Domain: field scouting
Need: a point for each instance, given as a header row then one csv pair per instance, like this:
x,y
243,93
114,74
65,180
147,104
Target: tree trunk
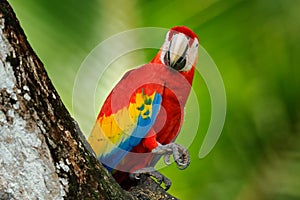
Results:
x,y
43,152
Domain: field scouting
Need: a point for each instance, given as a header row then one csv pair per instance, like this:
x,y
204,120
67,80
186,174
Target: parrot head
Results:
x,y
180,49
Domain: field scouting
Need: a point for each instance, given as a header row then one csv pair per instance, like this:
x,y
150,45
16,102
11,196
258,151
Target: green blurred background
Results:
x,y
255,44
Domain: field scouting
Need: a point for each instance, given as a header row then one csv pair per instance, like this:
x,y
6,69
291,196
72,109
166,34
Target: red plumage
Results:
x,y
168,122
173,86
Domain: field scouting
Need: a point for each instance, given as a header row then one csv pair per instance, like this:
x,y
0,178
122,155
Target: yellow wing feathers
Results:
x,y
109,131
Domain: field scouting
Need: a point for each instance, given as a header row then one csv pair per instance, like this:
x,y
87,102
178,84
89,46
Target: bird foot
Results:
x,y
180,154
150,171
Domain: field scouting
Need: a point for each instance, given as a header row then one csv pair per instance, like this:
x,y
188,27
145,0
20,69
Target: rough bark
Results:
x,y
43,153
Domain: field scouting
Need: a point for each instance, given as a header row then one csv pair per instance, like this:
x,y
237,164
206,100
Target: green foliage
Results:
x,y
255,45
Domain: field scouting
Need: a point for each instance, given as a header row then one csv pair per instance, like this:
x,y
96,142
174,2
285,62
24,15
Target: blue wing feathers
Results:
x,y
113,158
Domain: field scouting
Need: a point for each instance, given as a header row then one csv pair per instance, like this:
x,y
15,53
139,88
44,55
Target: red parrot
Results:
x,y
141,117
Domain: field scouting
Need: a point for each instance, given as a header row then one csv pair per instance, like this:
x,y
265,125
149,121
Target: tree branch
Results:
x,y
44,154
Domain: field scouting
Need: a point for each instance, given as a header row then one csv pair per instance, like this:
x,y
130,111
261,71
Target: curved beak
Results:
x,y
176,54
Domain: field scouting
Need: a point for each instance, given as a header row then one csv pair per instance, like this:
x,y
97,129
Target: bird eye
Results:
x,y
197,45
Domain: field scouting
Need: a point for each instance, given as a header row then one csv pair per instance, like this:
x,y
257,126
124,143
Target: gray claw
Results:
x,y
134,176
180,154
182,158
150,171
167,159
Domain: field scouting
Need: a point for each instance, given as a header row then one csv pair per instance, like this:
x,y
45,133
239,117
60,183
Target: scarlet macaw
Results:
x,y
142,115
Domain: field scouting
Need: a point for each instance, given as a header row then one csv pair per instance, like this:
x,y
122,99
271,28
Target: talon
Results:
x,y
159,178
137,177
167,159
150,171
180,154
181,165
134,176
168,184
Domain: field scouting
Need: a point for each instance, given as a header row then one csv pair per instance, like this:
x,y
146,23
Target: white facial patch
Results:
x,y
178,45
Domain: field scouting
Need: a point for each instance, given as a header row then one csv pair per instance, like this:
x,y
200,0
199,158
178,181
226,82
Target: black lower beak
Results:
x,y
179,64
